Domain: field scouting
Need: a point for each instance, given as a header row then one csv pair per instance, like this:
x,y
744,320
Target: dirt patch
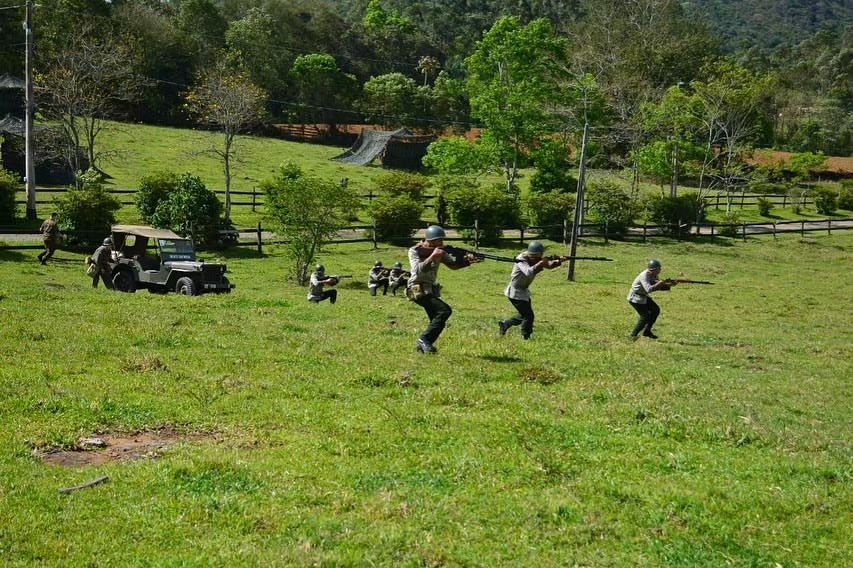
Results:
x,y
110,448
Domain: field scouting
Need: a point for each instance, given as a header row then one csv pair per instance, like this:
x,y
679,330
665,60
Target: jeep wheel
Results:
x,y
123,282
186,286
227,284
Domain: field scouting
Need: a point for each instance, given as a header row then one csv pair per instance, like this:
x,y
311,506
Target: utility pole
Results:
x,y
28,118
576,224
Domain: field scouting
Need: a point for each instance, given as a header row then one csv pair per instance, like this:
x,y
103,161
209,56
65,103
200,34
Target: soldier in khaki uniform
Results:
x,y
640,298
377,278
398,277
530,263
103,259
50,235
316,293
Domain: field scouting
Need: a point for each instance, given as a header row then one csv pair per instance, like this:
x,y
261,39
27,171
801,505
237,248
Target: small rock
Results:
x,y
92,443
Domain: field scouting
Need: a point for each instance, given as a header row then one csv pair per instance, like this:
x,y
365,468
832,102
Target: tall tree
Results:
x,y
322,86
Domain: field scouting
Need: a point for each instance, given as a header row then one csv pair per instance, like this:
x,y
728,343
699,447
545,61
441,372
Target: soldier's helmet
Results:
x,y
654,264
536,247
398,265
377,264
320,269
108,242
434,233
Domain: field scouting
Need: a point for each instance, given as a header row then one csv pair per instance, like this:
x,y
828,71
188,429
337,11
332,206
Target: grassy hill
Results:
x,y
315,434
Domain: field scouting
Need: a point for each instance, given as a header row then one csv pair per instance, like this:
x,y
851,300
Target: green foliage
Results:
x,y
611,205
190,209
445,187
396,217
306,211
655,159
764,206
803,165
87,213
322,84
845,196
552,163
825,200
549,211
457,156
675,214
729,225
152,190
396,184
9,185
389,98
490,206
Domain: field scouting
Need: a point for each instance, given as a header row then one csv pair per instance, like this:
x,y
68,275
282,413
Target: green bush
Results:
x,y
152,191
797,195
491,206
825,201
191,209
401,183
728,227
552,168
9,186
845,197
764,206
445,186
767,187
396,218
676,214
87,213
549,211
612,206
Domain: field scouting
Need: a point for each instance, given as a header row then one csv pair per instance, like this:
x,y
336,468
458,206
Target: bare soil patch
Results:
x,y
110,448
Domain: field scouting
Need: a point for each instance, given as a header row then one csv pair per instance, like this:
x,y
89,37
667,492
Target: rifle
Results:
x,y
565,258
673,281
337,277
453,257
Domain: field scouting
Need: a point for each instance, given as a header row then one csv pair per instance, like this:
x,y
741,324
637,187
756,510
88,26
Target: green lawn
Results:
x,y
330,442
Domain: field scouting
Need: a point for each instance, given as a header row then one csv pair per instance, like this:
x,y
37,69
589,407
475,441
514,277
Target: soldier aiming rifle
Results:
x,y
319,279
528,264
377,278
398,277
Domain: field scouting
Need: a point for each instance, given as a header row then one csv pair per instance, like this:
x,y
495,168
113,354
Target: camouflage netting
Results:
x,y
369,146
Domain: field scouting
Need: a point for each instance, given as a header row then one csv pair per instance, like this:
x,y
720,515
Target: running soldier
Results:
x,y
50,235
640,299
376,278
316,294
530,263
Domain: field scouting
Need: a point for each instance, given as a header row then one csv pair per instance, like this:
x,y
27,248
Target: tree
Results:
x,y
82,86
250,41
512,80
427,66
457,156
389,98
322,84
227,99
306,211
189,208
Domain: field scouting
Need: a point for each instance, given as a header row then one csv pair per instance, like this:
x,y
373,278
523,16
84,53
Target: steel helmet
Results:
x,y
108,242
434,233
536,247
377,264
398,265
654,264
320,268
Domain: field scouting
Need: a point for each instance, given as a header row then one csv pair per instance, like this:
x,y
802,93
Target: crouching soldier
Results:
x,y
102,258
316,294
50,236
640,298
398,277
530,263
377,278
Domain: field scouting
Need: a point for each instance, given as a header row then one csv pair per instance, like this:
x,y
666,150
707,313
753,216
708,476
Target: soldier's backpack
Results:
x,y
91,267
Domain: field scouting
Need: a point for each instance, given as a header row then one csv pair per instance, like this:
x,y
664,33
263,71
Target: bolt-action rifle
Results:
x,y
337,277
674,281
454,256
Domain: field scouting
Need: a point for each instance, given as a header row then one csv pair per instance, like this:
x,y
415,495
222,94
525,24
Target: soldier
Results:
x,y
398,277
50,235
423,289
640,299
377,277
530,263
316,294
102,258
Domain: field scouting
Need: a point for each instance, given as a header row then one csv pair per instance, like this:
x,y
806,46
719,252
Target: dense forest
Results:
x,y
401,62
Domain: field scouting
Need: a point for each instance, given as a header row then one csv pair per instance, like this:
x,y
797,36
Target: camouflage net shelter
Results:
x,y
397,149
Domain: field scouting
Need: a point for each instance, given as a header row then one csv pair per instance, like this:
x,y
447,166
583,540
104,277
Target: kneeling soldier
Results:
x,y
377,277
398,277
315,289
102,258
641,300
530,263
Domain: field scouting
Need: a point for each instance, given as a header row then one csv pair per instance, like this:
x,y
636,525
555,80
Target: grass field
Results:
x,y
318,437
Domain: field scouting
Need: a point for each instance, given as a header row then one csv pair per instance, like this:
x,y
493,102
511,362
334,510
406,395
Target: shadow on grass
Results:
x,y
14,256
501,358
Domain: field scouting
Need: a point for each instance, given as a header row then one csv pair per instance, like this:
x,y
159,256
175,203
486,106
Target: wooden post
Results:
x,y
565,231
29,128
579,203
713,226
744,232
522,236
260,240
254,193
644,230
476,234
717,203
829,226
802,228
784,199
375,246
774,230
606,231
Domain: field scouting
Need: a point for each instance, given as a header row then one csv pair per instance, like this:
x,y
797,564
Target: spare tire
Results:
x,y
186,286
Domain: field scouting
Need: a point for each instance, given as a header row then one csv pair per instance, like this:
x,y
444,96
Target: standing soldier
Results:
x,y
377,277
640,299
50,235
102,259
316,293
423,289
530,263
398,277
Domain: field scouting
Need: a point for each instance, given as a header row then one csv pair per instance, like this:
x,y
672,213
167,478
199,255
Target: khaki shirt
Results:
x,y
397,274
423,271
315,288
520,280
375,277
641,288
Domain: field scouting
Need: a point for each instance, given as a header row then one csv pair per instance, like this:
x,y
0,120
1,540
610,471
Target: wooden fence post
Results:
x,y
829,226
784,199
565,231
260,240
717,204
522,237
476,234
713,226
644,230
375,246
606,231
802,228
774,230
744,232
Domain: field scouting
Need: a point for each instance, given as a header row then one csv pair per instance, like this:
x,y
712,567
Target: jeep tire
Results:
x,y
186,286
123,281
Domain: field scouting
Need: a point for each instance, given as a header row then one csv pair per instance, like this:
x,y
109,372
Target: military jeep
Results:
x,y
173,267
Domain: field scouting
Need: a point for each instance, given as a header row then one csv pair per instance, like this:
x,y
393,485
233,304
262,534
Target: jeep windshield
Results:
x,y
176,249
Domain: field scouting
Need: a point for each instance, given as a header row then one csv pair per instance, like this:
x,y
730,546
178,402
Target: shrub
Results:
x,y
729,225
552,168
676,214
767,187
396,218
401,183
797,195
445,186
492,207
825,201
9,186
87,213
152,191
549,211
764,206
611,205
191,209
845,197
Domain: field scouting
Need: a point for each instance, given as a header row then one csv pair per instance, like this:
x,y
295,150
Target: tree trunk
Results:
x,y
229,138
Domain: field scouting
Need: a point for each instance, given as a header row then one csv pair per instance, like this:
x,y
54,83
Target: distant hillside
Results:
x,y
770,23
